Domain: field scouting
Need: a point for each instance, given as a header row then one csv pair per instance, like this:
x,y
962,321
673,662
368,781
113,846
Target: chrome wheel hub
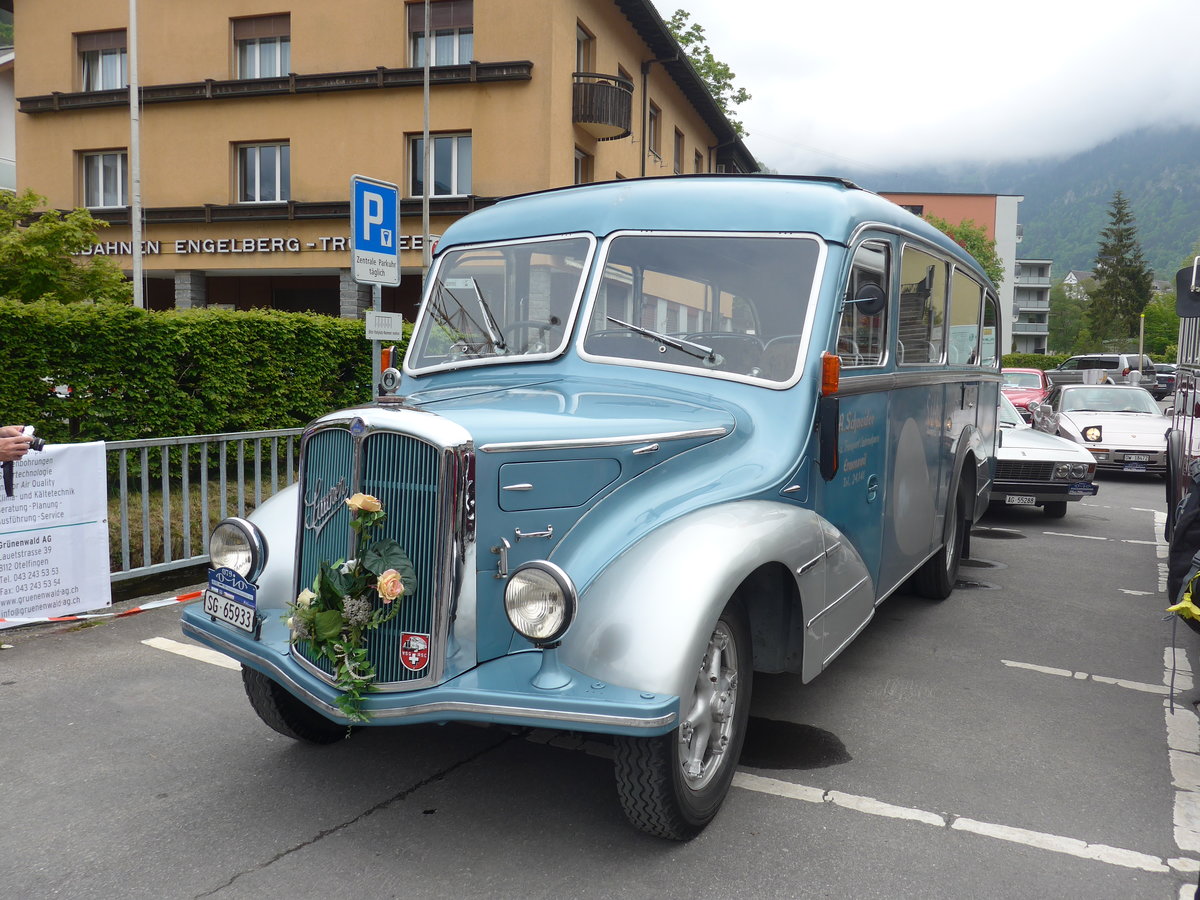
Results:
x,y
707,725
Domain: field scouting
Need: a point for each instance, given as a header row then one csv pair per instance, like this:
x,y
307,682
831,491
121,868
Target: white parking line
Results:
x,y
1183,681
1113,856
191,651
1082,537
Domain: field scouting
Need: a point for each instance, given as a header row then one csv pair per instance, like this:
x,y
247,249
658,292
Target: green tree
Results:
x,y
717,76
1162,325
1124,282
973,238
37,254
1066,320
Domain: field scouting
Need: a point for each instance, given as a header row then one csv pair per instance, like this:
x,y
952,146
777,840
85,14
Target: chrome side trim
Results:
x,y
517,487
810,564
844,644
853,588
889,381
594,443
437,708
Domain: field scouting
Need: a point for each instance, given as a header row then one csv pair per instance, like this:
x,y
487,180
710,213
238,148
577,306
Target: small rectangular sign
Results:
x,y
384,326
374,231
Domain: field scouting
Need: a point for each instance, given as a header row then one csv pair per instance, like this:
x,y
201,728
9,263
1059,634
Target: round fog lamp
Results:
x,y
539,600
237,544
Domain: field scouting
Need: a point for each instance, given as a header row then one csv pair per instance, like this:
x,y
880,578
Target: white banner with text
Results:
x,y
54,535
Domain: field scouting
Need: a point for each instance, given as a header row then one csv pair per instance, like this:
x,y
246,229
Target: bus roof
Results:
x,y
830,207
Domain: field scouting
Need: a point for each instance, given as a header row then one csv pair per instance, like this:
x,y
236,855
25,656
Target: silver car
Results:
x,y
1038,469
1120,424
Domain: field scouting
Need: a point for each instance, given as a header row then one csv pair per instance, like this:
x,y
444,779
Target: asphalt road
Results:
x,y
1013,741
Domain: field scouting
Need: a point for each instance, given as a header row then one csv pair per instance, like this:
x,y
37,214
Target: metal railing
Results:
x,y
166,494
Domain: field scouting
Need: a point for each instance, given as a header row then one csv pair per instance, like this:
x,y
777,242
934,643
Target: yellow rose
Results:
x,y
304,601
364,503
389,585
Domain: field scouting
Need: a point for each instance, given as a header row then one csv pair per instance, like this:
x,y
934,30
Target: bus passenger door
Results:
x,y
852,501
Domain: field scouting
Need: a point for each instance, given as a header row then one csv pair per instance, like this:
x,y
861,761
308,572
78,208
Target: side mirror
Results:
x,y
1187,291
871,299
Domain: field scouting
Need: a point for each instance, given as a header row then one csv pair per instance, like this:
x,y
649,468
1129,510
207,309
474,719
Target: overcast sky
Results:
x,y
879,84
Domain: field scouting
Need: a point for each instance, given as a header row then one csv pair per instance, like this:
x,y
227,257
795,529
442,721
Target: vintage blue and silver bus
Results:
x,y
649,437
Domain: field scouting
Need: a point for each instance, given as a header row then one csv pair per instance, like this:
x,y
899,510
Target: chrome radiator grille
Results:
x,y
404,473
1011,470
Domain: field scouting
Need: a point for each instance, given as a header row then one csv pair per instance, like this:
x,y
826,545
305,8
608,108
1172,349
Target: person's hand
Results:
x,y
13,443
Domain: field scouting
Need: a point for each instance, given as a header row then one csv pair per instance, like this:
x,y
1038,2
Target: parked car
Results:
x,y
1022,385
1164,380
1120,424
1038,469
1102,368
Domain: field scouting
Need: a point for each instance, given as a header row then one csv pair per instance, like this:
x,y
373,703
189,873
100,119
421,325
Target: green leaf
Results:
x,y
387,554
327,625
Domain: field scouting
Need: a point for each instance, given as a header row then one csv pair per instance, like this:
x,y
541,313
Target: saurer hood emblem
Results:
x,y
320,505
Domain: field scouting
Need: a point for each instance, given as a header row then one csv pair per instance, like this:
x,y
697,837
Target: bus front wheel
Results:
x,y
673,785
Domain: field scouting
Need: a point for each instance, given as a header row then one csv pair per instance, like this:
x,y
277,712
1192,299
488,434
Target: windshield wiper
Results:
x,y
489,320
706,354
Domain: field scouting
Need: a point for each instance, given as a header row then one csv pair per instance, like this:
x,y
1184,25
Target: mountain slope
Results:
x,y
1066,200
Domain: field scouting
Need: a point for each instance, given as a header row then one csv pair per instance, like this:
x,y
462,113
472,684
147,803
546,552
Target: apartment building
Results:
x,y
1031,306
255,114
997,214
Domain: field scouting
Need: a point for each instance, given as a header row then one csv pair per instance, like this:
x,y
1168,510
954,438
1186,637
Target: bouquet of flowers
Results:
x,y
348,598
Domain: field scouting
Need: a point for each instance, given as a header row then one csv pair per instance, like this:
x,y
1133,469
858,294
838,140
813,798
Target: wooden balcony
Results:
x,y
603,105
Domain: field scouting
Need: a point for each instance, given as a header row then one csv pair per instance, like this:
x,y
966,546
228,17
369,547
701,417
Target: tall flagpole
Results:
x,y
135,159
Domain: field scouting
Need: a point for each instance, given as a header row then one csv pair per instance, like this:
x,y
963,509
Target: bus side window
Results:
x,y
966,295
862,331
921,331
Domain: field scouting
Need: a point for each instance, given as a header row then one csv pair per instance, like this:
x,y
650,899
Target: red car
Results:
x,y
1022,385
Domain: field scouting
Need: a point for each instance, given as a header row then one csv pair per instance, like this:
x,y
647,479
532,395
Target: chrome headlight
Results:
x,y
1062,471
540,602
1081,470
238,544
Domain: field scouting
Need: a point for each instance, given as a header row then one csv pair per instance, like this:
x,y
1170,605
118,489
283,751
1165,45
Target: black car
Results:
x,y
1164,380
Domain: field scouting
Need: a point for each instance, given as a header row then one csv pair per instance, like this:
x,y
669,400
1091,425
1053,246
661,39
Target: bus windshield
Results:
x,y
502,303
731,305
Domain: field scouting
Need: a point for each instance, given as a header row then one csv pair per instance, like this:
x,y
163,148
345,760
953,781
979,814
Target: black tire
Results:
x,y
657,792
287,715
1173,478
1055,509
935,579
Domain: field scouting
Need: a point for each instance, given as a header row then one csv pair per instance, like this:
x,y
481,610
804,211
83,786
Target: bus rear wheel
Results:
x,y
935,579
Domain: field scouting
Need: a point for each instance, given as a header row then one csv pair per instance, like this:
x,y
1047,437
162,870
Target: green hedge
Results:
x,y
138,374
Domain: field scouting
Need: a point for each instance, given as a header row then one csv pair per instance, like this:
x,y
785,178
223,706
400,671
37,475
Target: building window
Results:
x,y
450,161
653,133
264,173
678,157
585,171
105,179
103,62
453,34
698,165
585,50
264,46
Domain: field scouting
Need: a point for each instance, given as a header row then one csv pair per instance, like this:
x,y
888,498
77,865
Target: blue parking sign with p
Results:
x,y
375,231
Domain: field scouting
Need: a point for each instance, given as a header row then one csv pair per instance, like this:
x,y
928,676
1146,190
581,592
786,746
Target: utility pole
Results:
x,y
135,160
426,187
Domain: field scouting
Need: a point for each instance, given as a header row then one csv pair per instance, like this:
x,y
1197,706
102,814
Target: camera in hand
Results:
x,y
36,443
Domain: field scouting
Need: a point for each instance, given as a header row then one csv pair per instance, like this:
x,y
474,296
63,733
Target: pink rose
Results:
x,y
389,585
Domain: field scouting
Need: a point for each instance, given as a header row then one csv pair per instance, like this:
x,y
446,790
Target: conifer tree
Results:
x,y
1124,282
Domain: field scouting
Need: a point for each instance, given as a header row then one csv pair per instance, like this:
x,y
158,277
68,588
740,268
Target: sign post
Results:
x,y
374,244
